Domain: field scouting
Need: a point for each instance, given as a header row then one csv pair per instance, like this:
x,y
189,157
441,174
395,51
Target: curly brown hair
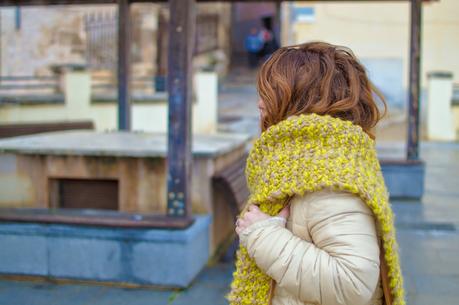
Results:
x,y
321,78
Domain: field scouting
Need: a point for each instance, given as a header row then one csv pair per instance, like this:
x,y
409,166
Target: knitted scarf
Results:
x,y
307,153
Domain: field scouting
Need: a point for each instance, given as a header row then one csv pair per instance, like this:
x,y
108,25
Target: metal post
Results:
x,y
1,47
278,22
414,84
18,18
124,117
181,43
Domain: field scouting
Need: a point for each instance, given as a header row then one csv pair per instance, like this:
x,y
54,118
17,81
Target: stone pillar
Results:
x,y
440,125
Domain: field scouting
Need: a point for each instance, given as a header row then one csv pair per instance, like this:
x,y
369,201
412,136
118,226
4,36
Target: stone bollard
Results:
x,y
74,81
440,125
77,94
205,108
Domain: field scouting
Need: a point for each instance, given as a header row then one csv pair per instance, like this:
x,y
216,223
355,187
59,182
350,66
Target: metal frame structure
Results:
x,y
179,155
414,80
181,34
124,39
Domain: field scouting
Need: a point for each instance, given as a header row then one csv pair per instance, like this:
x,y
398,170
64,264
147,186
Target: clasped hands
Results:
x,y
254,214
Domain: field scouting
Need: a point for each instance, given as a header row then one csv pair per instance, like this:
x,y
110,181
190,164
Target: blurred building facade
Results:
x,y
379,34
35,39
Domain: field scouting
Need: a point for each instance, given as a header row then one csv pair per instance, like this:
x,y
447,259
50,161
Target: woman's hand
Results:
x,y
254,214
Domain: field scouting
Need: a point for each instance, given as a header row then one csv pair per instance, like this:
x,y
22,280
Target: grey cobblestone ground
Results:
x,y
428,232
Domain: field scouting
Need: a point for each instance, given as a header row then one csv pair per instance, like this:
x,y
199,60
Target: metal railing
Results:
x,y
101,31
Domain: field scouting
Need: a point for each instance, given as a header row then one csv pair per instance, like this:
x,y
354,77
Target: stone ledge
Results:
x,y
117,144
161,257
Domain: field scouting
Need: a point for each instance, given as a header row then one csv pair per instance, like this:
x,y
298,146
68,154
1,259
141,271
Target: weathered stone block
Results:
x,y
163,257
404,179
22,251
85,258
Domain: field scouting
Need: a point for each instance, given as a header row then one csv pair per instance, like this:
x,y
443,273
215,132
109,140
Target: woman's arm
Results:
x,y
340,266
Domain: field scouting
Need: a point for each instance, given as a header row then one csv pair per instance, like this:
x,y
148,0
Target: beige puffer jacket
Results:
x,y
328,254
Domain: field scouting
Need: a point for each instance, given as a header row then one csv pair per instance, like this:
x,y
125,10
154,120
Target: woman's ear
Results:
x,y
261,105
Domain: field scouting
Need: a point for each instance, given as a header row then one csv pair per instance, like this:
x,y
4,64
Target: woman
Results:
x,y
318,228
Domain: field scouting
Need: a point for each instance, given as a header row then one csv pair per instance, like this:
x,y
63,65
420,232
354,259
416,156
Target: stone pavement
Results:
x,y
237,103
427,232
208,289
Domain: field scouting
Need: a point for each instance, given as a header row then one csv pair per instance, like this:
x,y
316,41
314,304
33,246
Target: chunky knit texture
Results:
x,y
307,153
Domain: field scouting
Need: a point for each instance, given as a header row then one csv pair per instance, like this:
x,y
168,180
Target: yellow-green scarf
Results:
x,y
307,153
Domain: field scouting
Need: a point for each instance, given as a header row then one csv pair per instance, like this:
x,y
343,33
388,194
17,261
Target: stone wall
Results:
x,y
47,36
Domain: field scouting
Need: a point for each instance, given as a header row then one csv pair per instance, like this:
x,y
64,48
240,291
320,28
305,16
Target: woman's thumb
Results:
x,y
285,212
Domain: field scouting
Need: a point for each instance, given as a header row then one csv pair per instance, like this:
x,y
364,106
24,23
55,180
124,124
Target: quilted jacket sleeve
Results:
x,y
340,265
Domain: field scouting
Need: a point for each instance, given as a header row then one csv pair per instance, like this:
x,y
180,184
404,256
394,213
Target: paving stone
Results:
x,y
117,296
430,299
43,293
210,287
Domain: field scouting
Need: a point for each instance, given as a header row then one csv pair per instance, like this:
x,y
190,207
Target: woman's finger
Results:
x,y
254,216
241,223
252,207
285,212
241,226
238,230
249,216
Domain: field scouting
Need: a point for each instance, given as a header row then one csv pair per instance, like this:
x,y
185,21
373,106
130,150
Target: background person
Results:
x,y
253,45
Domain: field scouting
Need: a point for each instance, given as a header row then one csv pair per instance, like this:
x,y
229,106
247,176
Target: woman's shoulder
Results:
x,y
327,201
334,207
